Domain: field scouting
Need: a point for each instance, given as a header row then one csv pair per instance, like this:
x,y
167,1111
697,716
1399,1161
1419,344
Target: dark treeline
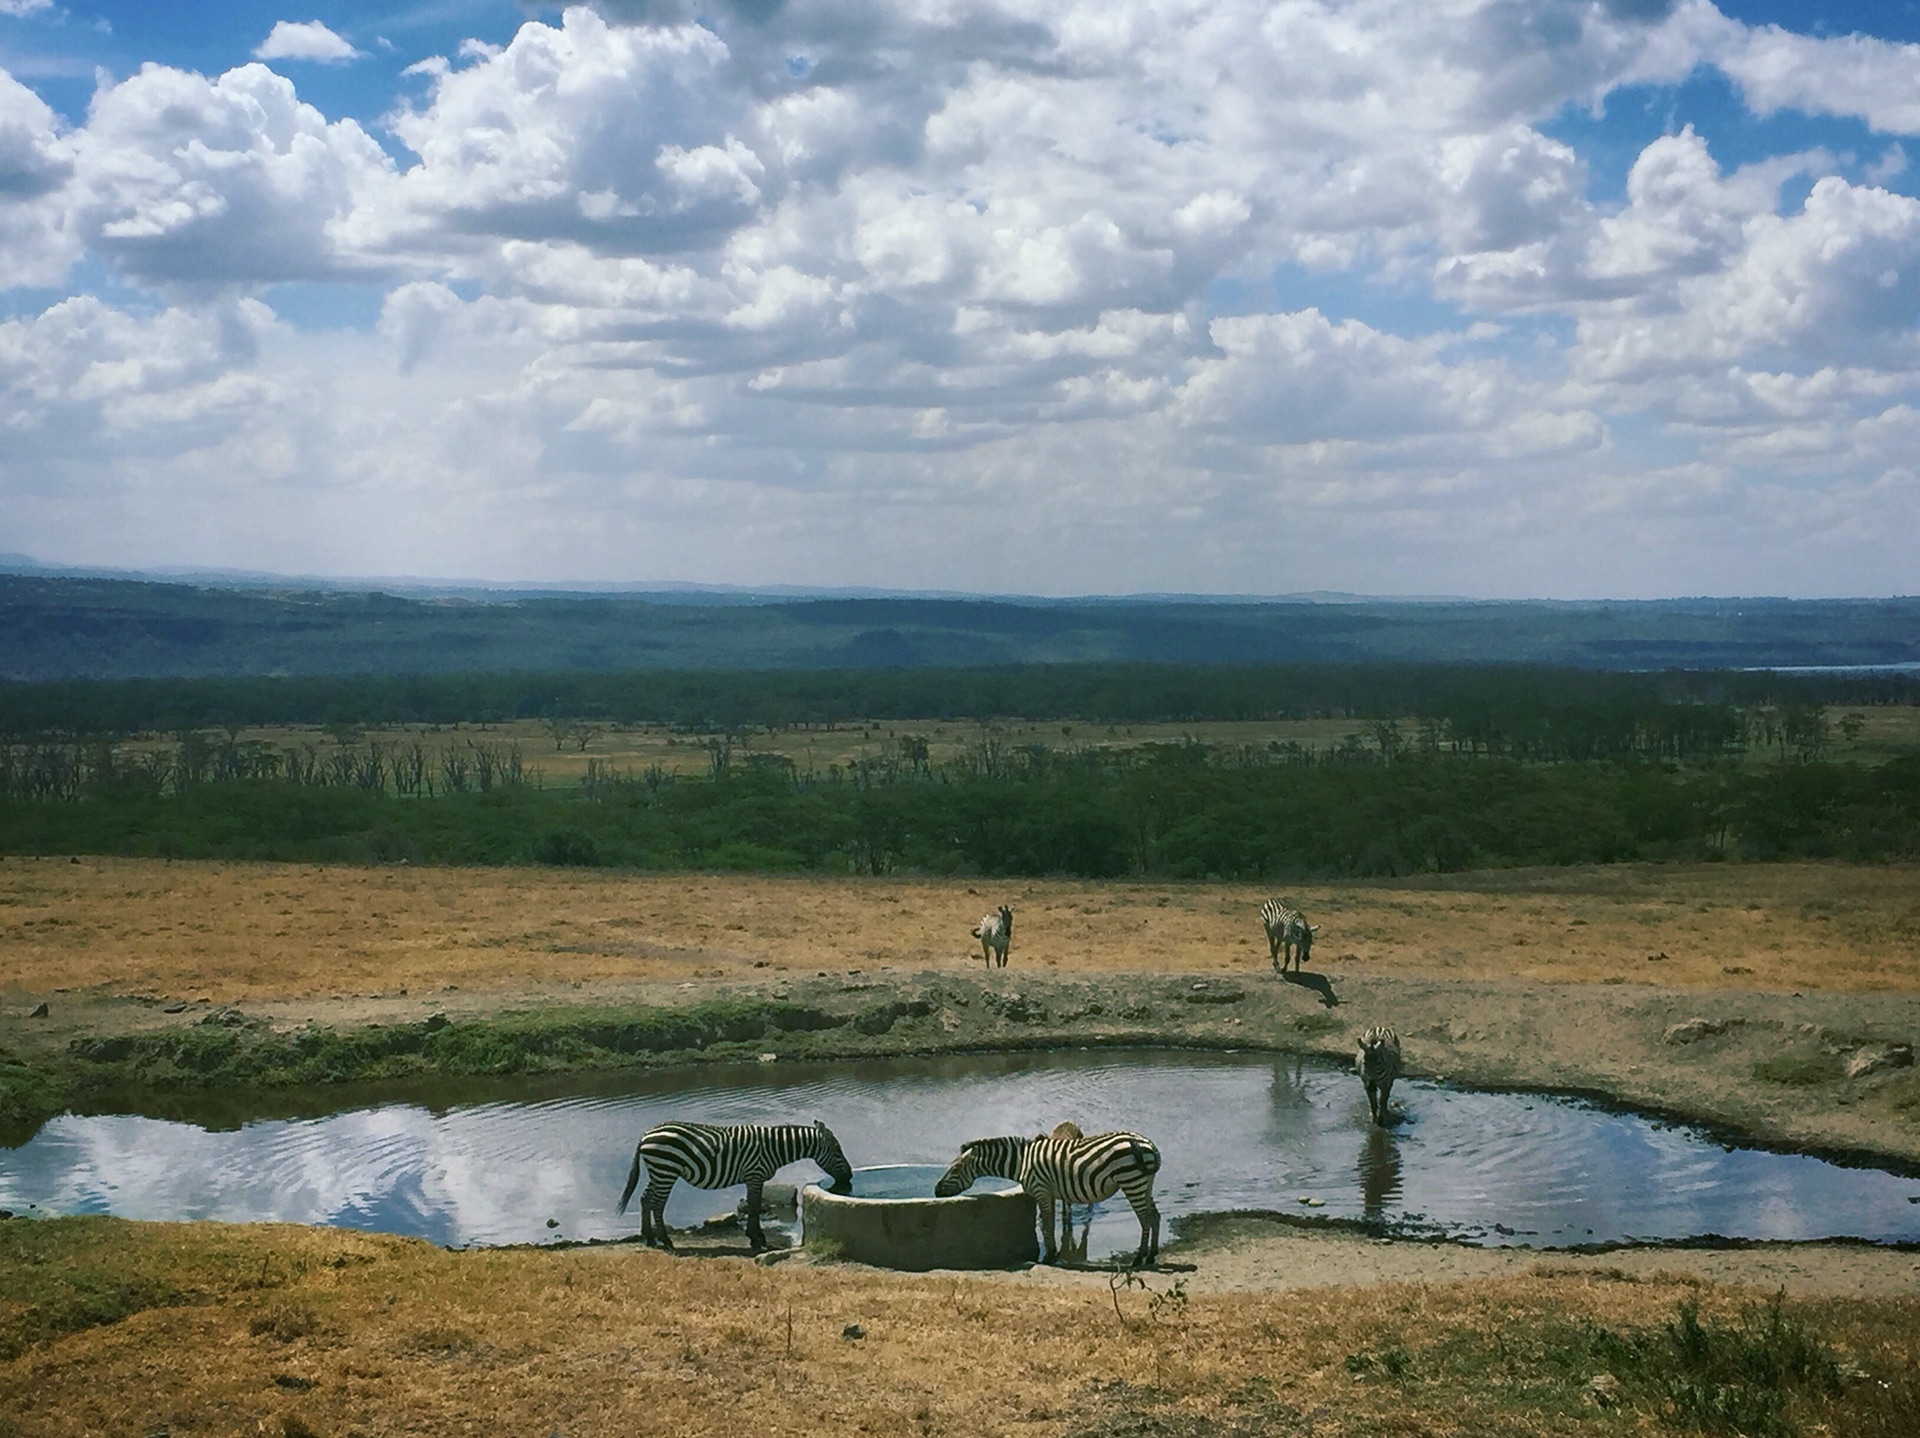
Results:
x,y
1525,710
1180,811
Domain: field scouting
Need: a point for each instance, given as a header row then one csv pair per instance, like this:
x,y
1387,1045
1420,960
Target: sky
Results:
x,y
1494,298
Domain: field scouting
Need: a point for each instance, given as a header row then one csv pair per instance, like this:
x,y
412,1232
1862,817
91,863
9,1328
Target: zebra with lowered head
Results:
x,y
1067,1168
1289,935
995,932
1379,1065
718,1156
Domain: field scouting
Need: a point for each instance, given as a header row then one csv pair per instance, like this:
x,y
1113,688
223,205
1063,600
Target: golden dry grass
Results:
x,y
245,932
290,1331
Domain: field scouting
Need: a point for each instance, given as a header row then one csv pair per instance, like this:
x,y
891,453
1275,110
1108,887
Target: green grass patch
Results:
x,y
1799,1067
231,1051
1317,1025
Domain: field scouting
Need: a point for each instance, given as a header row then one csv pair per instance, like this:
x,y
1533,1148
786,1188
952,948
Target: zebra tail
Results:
x,y
633,1179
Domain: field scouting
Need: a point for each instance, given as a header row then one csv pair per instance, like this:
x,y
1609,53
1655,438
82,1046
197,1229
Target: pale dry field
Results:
x,y
559,753
247,932
562,758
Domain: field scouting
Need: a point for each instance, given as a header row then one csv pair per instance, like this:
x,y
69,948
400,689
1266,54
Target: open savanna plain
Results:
x,y
557,752
1563,979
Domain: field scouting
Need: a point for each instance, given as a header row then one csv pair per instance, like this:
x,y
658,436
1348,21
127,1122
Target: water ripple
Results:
x,y
494,1162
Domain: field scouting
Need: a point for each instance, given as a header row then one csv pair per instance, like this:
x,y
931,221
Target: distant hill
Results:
x,y
63,627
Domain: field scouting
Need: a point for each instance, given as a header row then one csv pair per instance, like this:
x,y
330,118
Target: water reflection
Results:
x,y
1379,1173
492,1161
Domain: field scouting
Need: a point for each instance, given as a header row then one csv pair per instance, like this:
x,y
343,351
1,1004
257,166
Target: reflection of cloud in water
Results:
x,y
1235,1132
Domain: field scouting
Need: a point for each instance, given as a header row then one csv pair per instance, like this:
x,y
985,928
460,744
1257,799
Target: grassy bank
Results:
x,y
225,1049
295,1332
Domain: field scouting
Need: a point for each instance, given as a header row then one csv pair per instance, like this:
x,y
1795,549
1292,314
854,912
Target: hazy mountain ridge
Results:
x,y
59,627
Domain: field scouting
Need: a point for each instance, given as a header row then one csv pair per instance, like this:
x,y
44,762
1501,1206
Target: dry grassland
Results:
x,y
248,932
287,1331
632,749
1886,731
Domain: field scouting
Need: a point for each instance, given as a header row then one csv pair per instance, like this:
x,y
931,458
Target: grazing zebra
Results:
x,y
1379,1064
995,932
715,1156
1069,1167
1289,935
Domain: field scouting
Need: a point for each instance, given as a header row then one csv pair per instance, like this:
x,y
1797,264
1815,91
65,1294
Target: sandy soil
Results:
x,y
1568,980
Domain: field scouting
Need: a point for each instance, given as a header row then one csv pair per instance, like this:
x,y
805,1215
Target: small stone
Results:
x,y
174,1008
769,1058
553,1223
40,1011
853,1331
1604,1390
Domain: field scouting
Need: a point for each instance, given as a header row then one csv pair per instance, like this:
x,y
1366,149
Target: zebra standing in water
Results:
x,y
1289,935
1379,1064
715,1156
995,932
1070,1168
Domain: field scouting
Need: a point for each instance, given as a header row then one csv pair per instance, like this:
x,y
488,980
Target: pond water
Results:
x,y
492,1162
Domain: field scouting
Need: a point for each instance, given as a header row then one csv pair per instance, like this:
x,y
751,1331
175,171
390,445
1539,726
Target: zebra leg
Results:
x,y
1052,1254
756,1237
1149,1216
653,1215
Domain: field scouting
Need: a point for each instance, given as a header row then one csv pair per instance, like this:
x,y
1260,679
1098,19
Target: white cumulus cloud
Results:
x,y
305,40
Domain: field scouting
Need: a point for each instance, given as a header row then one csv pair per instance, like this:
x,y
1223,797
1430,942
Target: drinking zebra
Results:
x,y
1289,935
995,932
1379,1064
718,1156
1070,1168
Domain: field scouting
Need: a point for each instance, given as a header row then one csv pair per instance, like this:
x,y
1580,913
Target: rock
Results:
x,y
1879,1057
1693,1030
1604,1390
40,1011
553,1223
1205,994
177,1007
769,1058
852,1331
435,1023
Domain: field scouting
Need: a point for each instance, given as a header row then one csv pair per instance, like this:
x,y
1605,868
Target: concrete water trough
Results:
x,y
892,1220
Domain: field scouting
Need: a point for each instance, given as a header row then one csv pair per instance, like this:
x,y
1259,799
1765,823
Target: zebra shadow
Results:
x,y
1319,983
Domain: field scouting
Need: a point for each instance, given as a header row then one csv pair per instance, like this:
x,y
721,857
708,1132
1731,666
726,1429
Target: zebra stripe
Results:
x,y
1379,1065
995,932
719,1156
1068,1168
1289,935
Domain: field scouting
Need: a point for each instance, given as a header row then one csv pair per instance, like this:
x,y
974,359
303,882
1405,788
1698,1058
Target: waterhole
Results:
x,y
493,1162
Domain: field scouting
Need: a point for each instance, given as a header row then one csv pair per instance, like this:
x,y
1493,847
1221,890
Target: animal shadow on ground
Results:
x,y
1319,983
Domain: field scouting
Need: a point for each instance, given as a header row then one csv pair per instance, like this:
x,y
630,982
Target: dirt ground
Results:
x,y
1571,980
